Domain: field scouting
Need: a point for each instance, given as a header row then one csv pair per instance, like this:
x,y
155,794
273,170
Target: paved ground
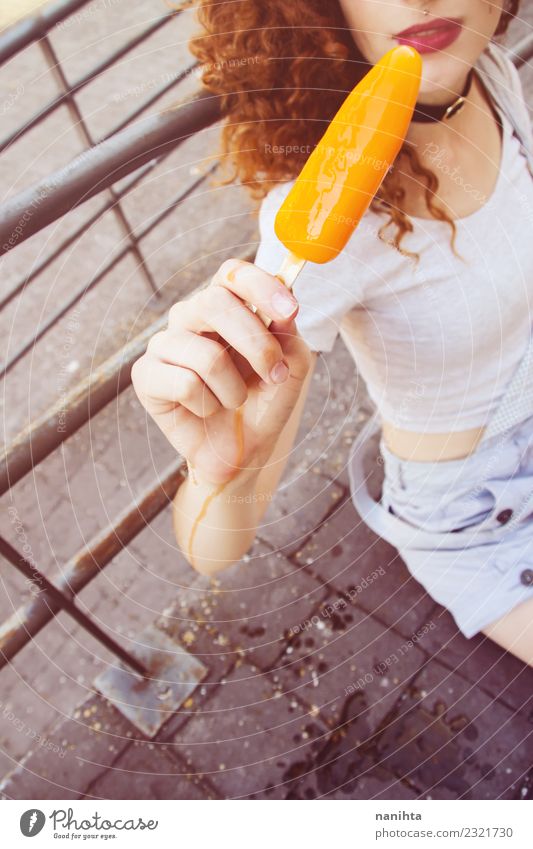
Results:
x,y
330,673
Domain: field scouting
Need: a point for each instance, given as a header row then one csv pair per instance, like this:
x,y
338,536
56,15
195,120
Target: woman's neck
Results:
x,y
469,144
463,127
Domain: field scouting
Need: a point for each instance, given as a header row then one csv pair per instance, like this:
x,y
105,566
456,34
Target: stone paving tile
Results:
x,y
146,771
97,29
24,719
325,783
256,602
87,744
92,495
365,570
65,275
60,662
114,437
12,586
336,406
73,347
181,168
21,517
88,502
123,600
7,764
50,145
447,739
151,570
520,27
47,679
26,87
122,88
29,254
213,224
110,446
9,14
344,663
57,668
83,486
248,742
32,529
125,615
185,620
482,662
26,716
297,509
111,313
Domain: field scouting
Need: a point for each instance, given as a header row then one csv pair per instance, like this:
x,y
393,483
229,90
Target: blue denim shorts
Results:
x,y
463,527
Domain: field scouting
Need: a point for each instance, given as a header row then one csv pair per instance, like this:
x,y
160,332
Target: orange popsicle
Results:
x,y
337,183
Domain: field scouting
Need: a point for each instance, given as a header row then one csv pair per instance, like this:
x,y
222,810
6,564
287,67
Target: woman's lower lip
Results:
x,y
438,40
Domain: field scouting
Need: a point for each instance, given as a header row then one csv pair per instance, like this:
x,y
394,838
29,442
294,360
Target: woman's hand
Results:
x,y
216,356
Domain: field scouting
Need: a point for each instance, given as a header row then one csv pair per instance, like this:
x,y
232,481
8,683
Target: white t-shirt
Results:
x,y
436,343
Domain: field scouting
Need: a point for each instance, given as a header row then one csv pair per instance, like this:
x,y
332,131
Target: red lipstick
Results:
x,y
431,35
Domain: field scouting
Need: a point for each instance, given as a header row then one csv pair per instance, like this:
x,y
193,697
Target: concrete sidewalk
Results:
x,y
330,673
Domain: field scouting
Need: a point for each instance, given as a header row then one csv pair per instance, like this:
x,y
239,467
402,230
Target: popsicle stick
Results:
x,y
289,271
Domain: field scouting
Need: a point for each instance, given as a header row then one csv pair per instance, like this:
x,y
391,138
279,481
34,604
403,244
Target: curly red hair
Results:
x,y
280,84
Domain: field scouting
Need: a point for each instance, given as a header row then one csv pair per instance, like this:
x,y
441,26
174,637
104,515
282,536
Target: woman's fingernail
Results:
x,y
279,373
283,304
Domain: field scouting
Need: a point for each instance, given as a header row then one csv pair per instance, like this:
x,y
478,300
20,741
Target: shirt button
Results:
x,y
526,577
504,515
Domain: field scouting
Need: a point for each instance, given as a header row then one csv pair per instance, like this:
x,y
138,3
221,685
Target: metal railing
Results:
x,y
129,150
133,148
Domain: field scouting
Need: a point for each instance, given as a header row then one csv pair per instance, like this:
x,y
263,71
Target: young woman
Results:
x,y
433,296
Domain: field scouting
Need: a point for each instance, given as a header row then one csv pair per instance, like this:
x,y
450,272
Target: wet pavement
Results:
x,y
329,672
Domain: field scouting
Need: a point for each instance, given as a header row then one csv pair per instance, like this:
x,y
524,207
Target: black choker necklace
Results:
x,y
425,113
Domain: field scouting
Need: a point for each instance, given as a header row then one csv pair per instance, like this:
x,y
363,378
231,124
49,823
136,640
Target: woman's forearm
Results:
x,y
228,527
222,526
